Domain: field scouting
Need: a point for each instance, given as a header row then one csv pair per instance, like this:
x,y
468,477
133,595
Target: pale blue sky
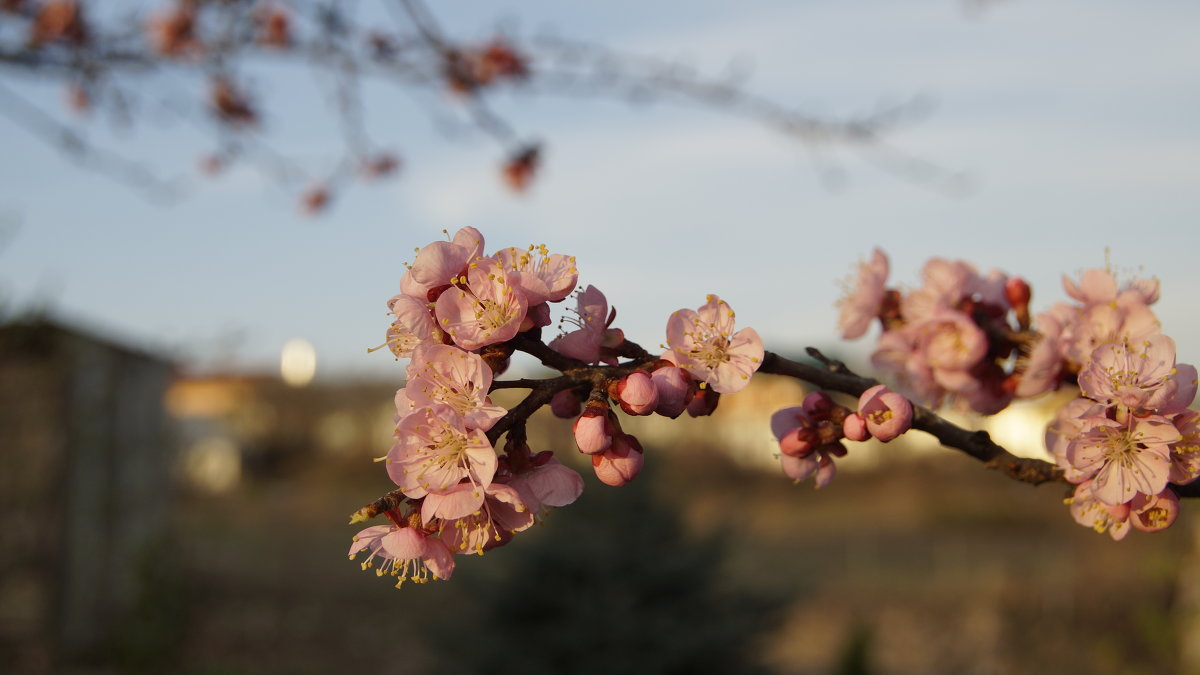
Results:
x,y
1079,123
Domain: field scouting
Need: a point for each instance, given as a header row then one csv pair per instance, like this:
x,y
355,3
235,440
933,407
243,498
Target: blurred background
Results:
x,y
188,411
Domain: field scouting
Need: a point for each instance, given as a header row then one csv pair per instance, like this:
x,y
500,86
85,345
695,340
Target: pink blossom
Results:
x,y
946,282
1135,376
1154,513
413,325
446,375
886,413
1125,458
1096,286
406,552
1069,423
706,346
1185,453
542,276
435,451
862,305
501,514
621,462
548,483
488,311
1039,372
1089,511
952,344
440,262
1109,323
593,317
636,393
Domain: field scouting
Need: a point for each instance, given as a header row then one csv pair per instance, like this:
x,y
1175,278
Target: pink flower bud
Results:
x,y
636,393
799,442
887,413
674,390
703,402
621,463
817,405
1017,291
826,470
566,404
855,428
1151,514
593,430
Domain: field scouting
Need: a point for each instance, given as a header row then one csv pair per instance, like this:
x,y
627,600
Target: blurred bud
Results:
x,y
566,404
1154,513
817,405
230,105
314,200
518,170
274,27
855,428
58,21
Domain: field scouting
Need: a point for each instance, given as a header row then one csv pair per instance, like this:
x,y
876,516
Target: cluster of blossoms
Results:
x,y
1123,442
459,318
1129,436
950,338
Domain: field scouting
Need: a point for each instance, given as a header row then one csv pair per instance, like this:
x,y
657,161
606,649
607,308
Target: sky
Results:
x,y
1075,124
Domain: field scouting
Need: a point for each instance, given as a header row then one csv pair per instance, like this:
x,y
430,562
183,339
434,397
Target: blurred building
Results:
x,y
235,427
85,493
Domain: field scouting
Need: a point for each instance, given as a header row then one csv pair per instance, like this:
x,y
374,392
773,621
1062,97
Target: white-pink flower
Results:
x,y
500,513
1137,376
542,276
413,325
861,306
705,344
592,316
404,552
1089,511
447,375
488,311
548,483
1124,458
435,451
440,262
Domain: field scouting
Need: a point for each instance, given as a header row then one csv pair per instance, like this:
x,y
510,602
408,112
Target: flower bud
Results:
x,y
817,405
566,404
855,427
593,430
799,442
636,393
621,463
703,402
887,413
674,387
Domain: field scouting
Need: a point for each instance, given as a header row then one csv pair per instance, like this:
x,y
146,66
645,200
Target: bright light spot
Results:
x,y
214,464
298,362
1021,427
